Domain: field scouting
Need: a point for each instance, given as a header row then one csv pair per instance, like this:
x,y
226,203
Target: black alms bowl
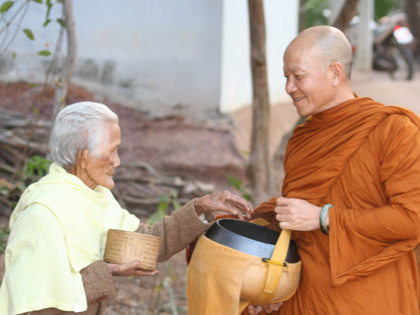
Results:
x,y
249,238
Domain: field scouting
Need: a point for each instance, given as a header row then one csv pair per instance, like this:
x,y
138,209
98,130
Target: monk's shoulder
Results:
x,y
396,135
396,123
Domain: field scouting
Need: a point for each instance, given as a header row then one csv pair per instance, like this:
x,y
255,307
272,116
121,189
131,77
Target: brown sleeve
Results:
x,y
178,230
98,282
99,288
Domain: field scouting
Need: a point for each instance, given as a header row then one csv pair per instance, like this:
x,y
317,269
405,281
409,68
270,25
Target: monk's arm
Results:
x,y
178,230
398,151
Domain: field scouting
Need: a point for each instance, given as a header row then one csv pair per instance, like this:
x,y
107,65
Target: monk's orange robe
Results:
x,y
364,159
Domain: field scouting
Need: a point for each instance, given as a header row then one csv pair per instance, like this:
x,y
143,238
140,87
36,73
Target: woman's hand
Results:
x,y
224,201
129,269
268,308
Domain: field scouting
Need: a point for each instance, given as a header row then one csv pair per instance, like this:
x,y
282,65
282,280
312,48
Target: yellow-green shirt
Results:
x,y
58,228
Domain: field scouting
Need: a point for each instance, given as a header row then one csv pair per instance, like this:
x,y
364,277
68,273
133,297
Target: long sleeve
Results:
x,y
99,287
391,228
178,230
397,188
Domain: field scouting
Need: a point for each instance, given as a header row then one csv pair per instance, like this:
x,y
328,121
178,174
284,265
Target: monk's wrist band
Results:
x,y
323,218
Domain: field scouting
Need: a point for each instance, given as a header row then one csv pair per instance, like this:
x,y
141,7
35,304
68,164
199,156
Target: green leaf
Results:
x,y
44,53
21,186
163,206
247,197
37,1
156,217
32,85
13,55
176,204
35,110
163,203
61,22
158,288
6,6
4,234
29,33
235,182
37,164
49,6
46,22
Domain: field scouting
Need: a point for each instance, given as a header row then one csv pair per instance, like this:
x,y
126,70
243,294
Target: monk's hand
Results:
x,y
268,308
297,214
226,202
126,270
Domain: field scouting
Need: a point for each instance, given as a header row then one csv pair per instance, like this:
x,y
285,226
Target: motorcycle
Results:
x,y
391,45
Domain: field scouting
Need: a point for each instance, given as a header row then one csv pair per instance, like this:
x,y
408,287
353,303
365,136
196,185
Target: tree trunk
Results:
x,y
258,169
348,11
302,15
61,84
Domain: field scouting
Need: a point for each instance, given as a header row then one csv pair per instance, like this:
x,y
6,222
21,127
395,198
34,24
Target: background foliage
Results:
x,y
314,12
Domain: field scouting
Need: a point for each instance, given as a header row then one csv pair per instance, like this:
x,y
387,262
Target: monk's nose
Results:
x,y
290,86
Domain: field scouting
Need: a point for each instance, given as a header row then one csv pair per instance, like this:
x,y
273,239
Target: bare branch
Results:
x,y
70,61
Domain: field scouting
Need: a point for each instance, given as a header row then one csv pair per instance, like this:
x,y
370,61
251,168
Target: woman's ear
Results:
x,y
82,158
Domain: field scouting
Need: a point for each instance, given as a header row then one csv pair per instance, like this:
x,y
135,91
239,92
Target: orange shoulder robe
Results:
x,y
364,159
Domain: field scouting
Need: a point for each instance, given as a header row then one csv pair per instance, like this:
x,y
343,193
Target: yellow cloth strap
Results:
x,y
260,221
275,268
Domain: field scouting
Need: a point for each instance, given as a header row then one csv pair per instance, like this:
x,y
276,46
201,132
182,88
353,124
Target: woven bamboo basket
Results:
x,y
123,247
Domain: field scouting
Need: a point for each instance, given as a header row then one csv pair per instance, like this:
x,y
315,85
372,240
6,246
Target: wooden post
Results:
x,y
258,167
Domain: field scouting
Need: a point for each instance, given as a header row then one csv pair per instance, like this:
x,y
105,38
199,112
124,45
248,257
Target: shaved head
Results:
x,y
317,68
327,44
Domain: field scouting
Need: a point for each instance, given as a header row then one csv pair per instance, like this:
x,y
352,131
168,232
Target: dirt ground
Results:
x,y
175,144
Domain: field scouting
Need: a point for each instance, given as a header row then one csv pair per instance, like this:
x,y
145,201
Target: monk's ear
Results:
x,y
336,72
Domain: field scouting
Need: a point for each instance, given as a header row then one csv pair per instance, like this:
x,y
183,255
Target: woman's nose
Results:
x,y
116,160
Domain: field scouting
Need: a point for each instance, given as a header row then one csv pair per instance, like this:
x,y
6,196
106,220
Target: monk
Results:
x,y
351,192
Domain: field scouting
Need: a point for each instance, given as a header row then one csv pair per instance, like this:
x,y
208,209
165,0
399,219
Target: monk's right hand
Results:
x,y
268,308
126,270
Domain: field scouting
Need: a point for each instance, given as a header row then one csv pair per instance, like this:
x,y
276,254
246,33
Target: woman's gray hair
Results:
x,y
77,127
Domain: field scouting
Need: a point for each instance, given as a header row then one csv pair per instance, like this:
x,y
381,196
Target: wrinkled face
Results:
x,y
308,82
100,170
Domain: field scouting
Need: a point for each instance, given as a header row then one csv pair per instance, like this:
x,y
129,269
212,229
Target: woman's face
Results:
x,y
94,171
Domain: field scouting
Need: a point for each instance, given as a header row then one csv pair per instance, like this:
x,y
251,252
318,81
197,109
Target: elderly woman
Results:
x,y
54,256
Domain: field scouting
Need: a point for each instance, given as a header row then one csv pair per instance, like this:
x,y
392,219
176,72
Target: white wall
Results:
x,y
281,18
157,54
168,51
153,53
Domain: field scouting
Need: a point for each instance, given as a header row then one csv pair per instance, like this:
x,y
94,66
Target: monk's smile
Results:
x,y
298,99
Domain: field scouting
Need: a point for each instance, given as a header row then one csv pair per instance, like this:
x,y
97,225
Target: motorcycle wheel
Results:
x,y
404,61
